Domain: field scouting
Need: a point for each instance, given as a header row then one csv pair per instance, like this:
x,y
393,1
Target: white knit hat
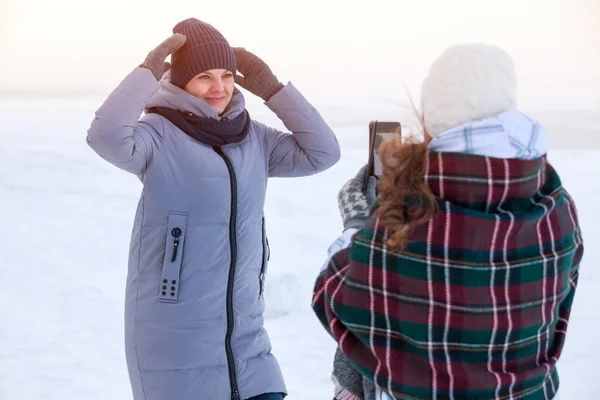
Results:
x,y
466,83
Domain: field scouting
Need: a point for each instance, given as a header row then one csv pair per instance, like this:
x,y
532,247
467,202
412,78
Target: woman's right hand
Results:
x,y
155,61
355,201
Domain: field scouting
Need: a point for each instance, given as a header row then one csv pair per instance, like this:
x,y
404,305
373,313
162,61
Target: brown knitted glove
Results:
x,y
257,76
155,61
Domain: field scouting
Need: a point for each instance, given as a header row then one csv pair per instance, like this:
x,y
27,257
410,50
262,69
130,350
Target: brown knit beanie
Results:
x,y
204,49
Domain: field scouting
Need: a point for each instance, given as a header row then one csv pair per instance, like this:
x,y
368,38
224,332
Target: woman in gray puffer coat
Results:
x,y
198,255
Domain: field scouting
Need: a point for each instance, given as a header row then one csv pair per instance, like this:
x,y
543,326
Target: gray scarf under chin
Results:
x,y
206,130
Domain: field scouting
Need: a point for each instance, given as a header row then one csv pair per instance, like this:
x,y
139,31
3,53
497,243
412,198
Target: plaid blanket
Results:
x,y
477,305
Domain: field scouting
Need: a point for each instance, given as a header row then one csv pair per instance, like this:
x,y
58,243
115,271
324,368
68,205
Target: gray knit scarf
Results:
x,y
207,130
348,381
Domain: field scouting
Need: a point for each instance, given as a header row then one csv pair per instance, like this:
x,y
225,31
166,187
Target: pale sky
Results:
x,y
334,49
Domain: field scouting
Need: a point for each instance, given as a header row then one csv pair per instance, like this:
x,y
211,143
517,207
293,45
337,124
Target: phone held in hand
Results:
x,y
379,131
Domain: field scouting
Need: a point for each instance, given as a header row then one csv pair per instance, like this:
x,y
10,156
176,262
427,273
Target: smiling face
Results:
x,y
214,86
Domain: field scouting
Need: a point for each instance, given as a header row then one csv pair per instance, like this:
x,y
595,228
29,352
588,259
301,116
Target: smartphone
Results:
x,y
378,133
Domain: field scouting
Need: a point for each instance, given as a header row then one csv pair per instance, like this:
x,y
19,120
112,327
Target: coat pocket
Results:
x,y
266,255
169,280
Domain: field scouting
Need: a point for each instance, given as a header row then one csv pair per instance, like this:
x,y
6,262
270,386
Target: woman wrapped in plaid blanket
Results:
x,y
457,283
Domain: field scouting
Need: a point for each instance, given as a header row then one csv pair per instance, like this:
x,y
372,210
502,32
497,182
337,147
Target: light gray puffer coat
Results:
x,y
198,255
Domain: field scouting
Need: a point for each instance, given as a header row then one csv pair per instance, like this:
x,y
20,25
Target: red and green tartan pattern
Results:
x,y
477,305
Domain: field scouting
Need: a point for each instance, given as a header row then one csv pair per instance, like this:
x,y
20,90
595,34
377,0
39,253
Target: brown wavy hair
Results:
x,y
405,200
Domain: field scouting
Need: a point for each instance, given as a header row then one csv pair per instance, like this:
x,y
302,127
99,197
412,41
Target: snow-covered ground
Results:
x,y
65,219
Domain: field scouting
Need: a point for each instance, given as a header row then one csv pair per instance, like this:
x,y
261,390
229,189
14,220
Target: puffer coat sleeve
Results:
x,y
116,135
310,148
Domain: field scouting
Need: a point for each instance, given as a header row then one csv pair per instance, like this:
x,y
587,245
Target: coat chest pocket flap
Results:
x,y
175,239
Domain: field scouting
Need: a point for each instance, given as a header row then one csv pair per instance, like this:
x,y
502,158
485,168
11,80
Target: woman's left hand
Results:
x,y
257,76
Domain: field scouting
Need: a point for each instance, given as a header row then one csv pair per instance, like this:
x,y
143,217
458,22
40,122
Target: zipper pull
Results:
x,y
261,284
268,249
235,395
176,233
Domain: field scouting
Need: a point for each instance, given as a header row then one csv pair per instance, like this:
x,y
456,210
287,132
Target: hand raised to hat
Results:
x,y
257,76
155,61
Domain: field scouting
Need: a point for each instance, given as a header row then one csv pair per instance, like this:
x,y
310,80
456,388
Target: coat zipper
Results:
x,y
235,394
261,277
